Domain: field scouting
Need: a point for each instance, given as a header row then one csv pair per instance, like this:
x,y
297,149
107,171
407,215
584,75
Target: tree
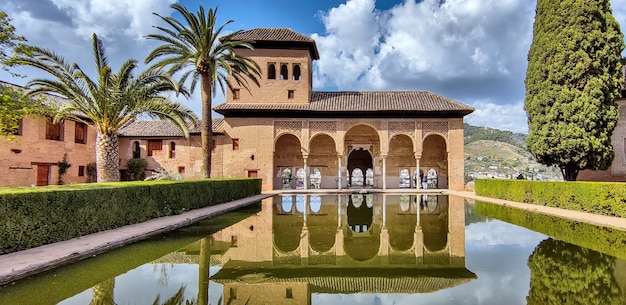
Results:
x,y
574,75
194,48
110,101
14,105
10,43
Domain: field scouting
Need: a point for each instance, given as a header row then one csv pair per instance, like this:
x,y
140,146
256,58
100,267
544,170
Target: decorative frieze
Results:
x,y
396,128
328,127
290,127
435,127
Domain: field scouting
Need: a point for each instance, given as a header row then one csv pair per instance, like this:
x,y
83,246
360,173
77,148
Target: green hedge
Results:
x,y
605,198
602,239
31,217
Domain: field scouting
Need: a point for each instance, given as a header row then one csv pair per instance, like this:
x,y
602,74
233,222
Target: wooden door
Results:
x,y
252,174
43,175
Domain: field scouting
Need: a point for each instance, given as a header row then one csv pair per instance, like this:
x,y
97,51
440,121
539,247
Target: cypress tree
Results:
x,y
574,76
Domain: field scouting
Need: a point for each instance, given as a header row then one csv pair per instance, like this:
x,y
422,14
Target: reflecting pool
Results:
x,y
352,249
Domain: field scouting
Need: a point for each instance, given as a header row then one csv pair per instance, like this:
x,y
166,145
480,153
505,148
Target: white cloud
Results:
x,y
504,117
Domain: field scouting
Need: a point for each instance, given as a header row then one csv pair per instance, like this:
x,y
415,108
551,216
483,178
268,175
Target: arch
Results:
x,y
172,152
405,178
369,176
400,161
287,160
357,177
136,150
362,241
300,176
431,178
271,71
322,223
315,179
297,74
434,222
362,146
323,156
401,221
286,225
435,157
284,72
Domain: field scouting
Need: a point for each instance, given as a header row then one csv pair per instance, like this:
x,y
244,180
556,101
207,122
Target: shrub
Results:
x,y
31,217
135,168
605,198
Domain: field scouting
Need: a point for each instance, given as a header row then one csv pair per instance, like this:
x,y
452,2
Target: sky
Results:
x,y
472,51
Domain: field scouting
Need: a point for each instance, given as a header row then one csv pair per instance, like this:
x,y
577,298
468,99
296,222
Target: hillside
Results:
x,y
495,153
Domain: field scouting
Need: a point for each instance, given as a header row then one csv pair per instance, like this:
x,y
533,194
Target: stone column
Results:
x,y
384,171
306,172
418,181
339,172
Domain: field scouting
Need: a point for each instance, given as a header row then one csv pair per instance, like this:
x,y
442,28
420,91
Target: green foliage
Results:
x,y
574,76
604,198
563,274
109,101
64,165
10,43
14,105
194,47
602,239
30,217
135,168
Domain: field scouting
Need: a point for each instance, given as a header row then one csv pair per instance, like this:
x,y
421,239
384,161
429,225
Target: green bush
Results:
x,y
31,217
135,169
605,198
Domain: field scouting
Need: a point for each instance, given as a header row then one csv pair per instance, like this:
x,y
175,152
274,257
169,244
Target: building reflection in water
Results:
x,y
303,244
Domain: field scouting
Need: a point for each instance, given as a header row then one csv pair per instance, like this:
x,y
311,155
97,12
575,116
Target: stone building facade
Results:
x,y
32,157
297,138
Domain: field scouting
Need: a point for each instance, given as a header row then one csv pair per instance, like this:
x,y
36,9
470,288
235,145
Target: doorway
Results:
x,y
360,162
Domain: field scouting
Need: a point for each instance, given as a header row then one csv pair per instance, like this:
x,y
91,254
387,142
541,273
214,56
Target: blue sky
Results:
x,y
473,51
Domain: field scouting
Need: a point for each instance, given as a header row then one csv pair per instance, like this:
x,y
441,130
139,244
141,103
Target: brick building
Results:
x,y
32,158
294,137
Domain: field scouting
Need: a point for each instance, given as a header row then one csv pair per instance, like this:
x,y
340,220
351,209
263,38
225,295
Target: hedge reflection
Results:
x,y
562,273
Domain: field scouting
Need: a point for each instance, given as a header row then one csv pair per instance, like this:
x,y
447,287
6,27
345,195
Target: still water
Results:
x,y
352,249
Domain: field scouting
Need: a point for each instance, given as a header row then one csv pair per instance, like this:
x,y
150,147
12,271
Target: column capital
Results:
x,y
418,156
383,155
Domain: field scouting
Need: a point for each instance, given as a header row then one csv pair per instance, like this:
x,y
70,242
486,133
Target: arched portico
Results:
x,y
361,148
435,160
287,160
323,157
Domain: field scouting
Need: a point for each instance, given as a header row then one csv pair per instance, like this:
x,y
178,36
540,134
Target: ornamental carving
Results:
x,y
291,127
435,127
328,127
396,128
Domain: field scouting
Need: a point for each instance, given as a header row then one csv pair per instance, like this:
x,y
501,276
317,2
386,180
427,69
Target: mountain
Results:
x,y
496,153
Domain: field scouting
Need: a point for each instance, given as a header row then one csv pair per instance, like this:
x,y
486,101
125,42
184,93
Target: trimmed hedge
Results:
x,y
602,239
31,217
604,198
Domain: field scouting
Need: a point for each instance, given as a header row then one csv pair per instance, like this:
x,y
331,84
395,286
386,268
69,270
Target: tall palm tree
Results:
x,y
195,48
110,101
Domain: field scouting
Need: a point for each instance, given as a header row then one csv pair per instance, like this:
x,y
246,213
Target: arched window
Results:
x,y
369,177
357,177
284,74
136,150
300,203
172,153
287,178
296,72
300,175
316,179
432,178
405,178
271,71
286,203
315,202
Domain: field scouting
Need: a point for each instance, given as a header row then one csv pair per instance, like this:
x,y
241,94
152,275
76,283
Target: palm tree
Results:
x,y
109,102
194,48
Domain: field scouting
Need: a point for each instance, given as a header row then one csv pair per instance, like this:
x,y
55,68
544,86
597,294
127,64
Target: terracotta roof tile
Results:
x,y
272,34
365,101
161,128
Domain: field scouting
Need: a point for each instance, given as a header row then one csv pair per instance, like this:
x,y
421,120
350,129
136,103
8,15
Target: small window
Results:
x,y
236,94
289,293
284,74
297,75
81,171
291,94
172,152
54,131
181,169
233,293
233,241
80,133
136,150
154,145
213,145
18,130
271,71
235,144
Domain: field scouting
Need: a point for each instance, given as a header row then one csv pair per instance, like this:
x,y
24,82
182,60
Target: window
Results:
x,y
284,74
290,94
172,152
289,293
181,169
81,171
18,130
235,144
213,145
405,178
136,150
271,71
54,131
80,133
236,94
296,72
233,241
154,145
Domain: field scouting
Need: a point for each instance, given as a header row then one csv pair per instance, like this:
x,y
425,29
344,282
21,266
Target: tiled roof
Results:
x,y
162,128
362,102
271,34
